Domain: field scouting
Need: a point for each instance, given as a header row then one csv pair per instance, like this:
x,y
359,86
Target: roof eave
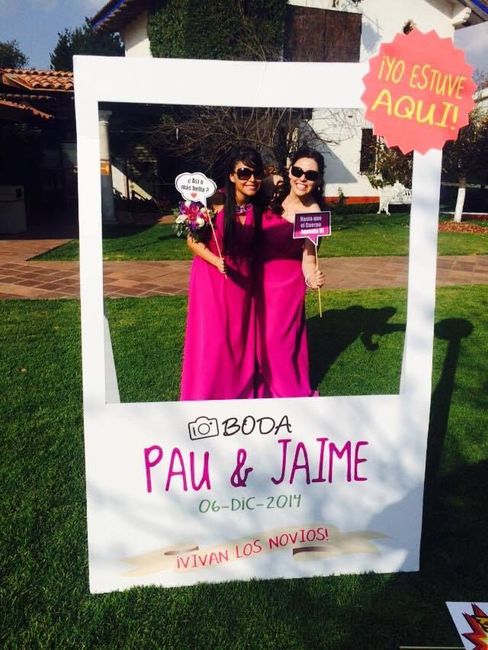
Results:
x,y
479,11
116,14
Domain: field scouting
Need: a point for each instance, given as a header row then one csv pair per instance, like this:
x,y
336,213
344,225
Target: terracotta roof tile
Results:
x,y
25,107
33,79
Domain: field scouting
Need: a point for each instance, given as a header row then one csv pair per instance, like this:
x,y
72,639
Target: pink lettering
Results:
x,y
358,460
181,471
150,462
299,459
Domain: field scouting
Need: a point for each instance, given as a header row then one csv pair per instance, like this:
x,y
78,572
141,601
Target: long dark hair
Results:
x,y
283,190
251,158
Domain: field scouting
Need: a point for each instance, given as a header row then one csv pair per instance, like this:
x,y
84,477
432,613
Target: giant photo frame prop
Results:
x,y
352,503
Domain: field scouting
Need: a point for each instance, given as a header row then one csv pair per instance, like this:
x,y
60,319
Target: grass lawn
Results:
x,y
355,348
44,589
352,235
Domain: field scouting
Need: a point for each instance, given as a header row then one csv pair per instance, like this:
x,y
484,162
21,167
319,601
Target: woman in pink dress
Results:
x,y
286,267
219,351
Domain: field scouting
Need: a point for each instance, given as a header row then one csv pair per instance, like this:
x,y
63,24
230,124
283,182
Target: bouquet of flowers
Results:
x,y
193,219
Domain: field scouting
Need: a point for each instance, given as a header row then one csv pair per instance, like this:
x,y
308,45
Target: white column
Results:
x,y
461,195
108,210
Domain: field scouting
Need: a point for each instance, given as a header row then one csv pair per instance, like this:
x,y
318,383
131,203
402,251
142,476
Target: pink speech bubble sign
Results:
x,y
312,225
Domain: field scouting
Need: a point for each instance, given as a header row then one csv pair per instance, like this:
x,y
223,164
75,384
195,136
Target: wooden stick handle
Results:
x,y
215,238
318,288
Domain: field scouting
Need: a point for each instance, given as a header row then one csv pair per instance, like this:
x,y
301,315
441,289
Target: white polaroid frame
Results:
x,y
372,524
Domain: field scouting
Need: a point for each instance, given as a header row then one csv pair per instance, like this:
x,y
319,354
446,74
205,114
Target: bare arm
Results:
x,y
199,248
314,278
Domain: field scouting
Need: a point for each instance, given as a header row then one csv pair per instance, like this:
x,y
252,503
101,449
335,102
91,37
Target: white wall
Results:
x,y
381,20
342,5
126,187
134,35
342,131
481,99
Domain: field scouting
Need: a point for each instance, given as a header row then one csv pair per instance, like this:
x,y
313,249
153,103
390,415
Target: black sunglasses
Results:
x,y
244,174
310,174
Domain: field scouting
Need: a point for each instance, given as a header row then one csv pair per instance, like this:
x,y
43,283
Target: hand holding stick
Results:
x,y
315,280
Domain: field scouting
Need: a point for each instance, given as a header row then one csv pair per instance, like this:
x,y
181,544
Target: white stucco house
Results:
x,y
346,30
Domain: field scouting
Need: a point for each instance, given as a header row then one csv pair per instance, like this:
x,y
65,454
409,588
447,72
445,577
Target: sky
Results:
x,y
35,25
474,41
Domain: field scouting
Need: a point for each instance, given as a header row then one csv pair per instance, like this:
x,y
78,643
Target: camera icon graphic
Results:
x,y
203,427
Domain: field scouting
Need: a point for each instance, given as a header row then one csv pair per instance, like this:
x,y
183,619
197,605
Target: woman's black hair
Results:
x,y
251,158
283,189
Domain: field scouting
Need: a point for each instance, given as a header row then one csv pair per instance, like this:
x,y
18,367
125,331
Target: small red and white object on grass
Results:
x,y
418,91
471,621
312,225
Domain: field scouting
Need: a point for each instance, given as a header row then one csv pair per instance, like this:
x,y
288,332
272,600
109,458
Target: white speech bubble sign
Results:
x,y
195,186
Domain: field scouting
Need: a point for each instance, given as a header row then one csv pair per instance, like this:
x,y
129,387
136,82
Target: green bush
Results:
x,y
217,29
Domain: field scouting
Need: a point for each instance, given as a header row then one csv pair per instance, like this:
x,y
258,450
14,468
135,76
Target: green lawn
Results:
x,y
466,243
44,589
352,235
355,347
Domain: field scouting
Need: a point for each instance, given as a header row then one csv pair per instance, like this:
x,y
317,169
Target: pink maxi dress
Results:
x,y
282,348
219,349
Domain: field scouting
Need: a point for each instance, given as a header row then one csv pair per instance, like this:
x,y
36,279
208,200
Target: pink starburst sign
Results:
x,y
418,91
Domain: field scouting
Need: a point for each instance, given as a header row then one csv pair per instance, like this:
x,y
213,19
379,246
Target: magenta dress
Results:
x,y
282,348
220,341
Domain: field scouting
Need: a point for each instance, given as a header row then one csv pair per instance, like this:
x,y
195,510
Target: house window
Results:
x,y
368,150
322,35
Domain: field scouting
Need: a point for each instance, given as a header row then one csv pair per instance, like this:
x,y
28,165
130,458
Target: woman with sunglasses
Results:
x,y
219,350
286,267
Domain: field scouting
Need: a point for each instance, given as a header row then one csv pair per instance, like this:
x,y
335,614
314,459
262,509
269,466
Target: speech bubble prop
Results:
x,y
419,91
195,186
312,225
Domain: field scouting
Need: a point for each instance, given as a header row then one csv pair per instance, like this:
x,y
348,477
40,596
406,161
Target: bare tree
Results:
x,y
480,77
464,160
388,164
207,133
